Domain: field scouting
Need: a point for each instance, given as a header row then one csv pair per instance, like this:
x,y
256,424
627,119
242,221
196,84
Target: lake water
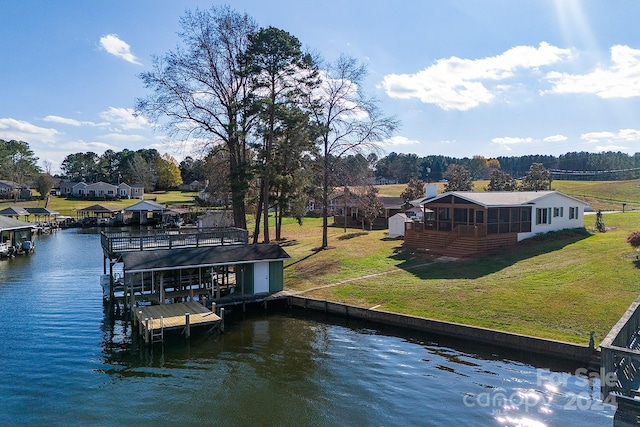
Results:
x,y
63,363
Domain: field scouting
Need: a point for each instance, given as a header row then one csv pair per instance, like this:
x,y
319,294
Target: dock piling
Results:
x,y
187,327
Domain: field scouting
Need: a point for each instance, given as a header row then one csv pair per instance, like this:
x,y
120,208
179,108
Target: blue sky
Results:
x,y
491,78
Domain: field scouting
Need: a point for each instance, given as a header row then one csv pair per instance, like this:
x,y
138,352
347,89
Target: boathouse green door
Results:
x,y
276,276
247,279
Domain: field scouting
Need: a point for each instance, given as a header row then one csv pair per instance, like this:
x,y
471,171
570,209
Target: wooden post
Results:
x,y
222,319
146,330
187,325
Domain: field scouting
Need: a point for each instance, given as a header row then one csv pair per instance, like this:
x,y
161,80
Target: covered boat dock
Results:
x,y
152,271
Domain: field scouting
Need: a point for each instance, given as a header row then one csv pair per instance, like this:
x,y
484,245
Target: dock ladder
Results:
x,y
156,334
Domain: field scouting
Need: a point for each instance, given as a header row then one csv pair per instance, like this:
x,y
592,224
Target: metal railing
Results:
x,y
169,239
620,356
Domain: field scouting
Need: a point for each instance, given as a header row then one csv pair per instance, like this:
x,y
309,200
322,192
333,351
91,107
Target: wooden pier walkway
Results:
x,y
154,320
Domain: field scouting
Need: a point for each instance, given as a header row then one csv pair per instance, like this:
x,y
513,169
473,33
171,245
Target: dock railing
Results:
x,y
167,239
620,357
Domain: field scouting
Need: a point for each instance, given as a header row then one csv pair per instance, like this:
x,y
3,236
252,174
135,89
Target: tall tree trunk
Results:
x,y
256,232
325,199
238,182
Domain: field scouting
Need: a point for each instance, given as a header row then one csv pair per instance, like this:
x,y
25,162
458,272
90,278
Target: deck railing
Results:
x,y
620,355
169,239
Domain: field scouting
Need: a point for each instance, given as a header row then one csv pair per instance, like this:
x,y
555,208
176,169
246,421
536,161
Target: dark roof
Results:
x,y
169,259
41,211
100,208
14,211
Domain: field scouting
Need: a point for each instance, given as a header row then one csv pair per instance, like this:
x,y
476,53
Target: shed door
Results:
x,y
260,277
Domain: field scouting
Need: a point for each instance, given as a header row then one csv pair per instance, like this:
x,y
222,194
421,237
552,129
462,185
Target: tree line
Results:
x,y
573,165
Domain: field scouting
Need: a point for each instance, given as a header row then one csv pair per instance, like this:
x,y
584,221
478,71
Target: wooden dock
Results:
x,y
154,320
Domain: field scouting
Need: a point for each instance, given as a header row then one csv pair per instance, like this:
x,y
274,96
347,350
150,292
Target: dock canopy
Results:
x,y
14,211
38,212
145,206
99,210
184,258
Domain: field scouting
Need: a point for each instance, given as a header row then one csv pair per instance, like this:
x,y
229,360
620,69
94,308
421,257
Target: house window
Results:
x,y
543,216
573,212
558,212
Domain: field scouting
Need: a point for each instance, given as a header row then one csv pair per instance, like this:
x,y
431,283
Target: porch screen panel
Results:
x,y
444,219
525,220
492,221
505,214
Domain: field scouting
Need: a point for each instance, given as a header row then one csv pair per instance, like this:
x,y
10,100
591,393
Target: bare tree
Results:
x,y
349,121
197,91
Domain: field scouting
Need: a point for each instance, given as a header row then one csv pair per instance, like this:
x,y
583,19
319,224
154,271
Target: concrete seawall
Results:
x,y
535,345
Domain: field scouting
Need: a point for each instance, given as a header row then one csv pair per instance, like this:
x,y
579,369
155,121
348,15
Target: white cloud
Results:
x,y
625,135
400,140
121,137
509,140
600,148
71,122
461,84
25,131
117,47
82,146
620,80
125,118
555,138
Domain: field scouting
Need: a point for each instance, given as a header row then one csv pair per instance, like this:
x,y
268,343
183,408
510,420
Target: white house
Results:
x,y
474,222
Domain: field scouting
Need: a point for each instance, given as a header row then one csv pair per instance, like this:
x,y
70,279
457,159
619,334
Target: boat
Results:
x,y
5,250
27,247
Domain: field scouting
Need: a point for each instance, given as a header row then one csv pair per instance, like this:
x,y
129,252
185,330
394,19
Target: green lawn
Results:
x,y
558,287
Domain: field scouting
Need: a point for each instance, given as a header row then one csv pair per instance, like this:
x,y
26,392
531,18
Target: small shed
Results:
x,y
396,225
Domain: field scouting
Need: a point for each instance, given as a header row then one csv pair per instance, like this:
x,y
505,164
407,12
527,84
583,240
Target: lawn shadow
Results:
x,y
352,235
482,265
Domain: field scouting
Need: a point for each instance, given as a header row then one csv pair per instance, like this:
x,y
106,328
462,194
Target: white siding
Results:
x,y
558,208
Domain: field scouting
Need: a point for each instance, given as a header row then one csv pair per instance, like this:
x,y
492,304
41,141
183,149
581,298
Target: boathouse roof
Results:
x,y
14,211
182,258
41,211
99,208
145,205
7,223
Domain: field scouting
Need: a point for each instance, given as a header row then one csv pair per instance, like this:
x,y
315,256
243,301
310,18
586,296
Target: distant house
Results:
x,y
383,180
101,190
137,191
124,190
466,223
7,189
66,188
348,208
193,186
